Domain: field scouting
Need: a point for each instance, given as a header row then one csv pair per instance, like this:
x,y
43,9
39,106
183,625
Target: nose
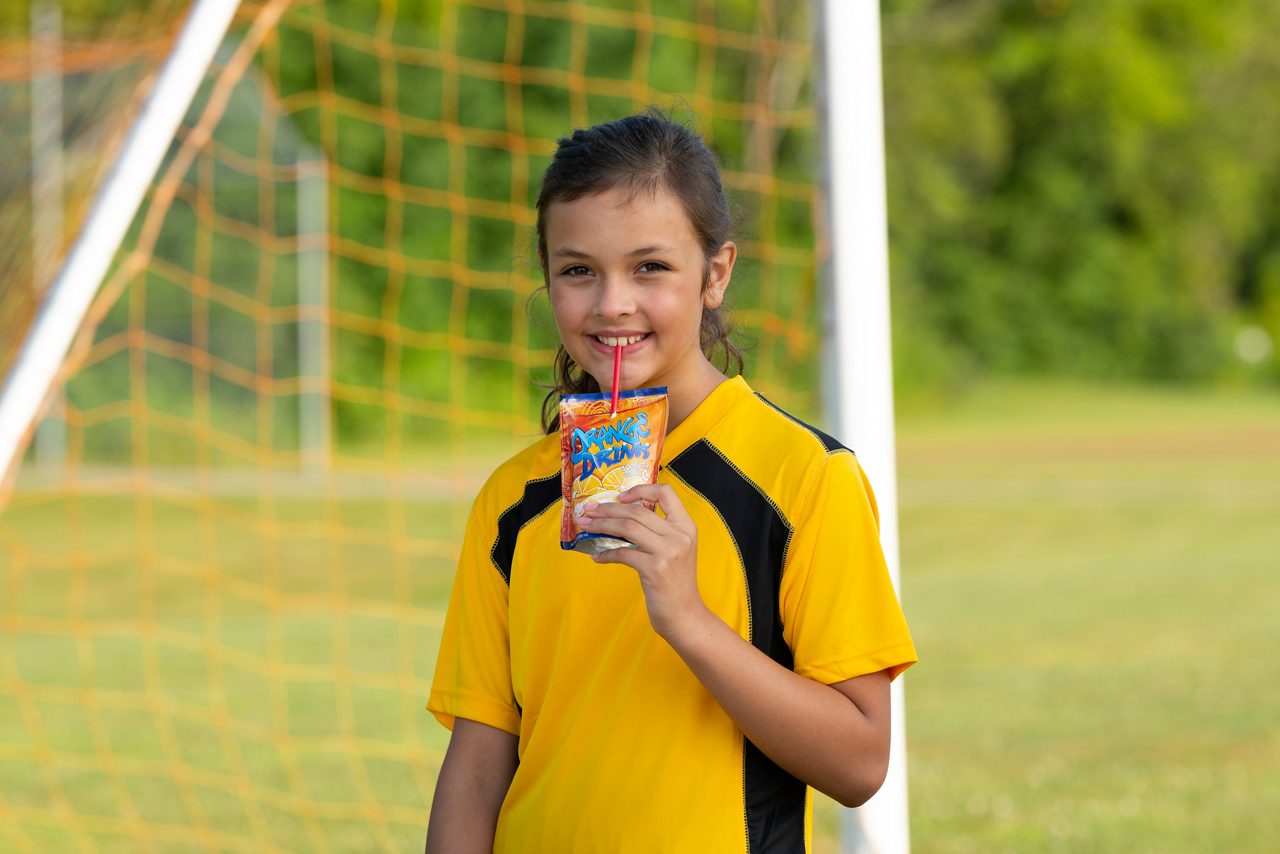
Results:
x,y
615,297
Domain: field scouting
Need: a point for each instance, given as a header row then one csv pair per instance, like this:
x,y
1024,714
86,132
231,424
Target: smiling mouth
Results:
x,y
611,341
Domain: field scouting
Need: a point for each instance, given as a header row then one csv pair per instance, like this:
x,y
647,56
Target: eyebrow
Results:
x,y
650,250
570,252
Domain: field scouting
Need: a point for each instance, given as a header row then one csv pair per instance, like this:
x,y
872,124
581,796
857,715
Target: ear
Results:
x,y
719,271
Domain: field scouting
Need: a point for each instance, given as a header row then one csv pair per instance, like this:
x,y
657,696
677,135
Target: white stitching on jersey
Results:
x,y
493,559
786,547
808,428
746,586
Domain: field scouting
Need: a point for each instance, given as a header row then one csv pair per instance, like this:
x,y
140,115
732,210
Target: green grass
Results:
x,y
1092,581
1090,575
219,674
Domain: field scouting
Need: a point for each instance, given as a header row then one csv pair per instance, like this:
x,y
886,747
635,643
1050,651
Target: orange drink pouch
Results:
x,y
603,454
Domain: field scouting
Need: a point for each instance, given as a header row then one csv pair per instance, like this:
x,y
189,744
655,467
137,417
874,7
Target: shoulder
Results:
x,y
524,477
809,459
790,430
520,489
782,456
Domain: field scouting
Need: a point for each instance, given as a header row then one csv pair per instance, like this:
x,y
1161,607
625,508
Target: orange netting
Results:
x,y
101,69
220,596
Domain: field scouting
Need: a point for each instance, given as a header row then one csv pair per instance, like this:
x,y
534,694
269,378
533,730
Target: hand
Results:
x,y
665,554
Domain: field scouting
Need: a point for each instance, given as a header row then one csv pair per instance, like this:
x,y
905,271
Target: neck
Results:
x,y
694,390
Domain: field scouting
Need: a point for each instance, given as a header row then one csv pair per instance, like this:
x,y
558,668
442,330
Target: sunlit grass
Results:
x,y
1091,578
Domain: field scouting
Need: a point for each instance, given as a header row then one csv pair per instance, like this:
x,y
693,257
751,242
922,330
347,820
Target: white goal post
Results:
x,y
71,293
857,358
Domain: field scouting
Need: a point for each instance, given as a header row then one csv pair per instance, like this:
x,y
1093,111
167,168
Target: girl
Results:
x,y
691,711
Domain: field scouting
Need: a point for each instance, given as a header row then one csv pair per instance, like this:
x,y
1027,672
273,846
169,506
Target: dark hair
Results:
x,y
643,153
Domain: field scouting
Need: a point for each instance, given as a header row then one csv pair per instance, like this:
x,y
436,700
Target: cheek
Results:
x,y
569,315
561,307
682,311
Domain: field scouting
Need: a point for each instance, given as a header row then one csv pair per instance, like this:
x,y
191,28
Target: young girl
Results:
x,y
692,710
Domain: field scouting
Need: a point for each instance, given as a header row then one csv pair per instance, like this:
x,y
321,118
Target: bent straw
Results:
x,y
617,372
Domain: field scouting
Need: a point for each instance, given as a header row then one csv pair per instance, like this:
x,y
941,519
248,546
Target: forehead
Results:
x,y
618,213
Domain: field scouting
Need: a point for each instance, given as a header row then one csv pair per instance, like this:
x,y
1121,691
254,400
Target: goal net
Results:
x,y
68,88
224,566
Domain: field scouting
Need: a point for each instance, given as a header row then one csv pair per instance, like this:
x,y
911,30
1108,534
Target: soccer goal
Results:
x,y
273,313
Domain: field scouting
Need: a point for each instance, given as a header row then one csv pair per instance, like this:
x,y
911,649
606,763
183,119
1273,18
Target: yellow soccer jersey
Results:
x,y
620,747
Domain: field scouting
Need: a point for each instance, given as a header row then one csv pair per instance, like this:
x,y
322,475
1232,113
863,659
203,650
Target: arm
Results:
x,y
474,778
833,737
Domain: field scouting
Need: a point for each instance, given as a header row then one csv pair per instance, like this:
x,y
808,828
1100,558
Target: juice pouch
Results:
x,y
602,456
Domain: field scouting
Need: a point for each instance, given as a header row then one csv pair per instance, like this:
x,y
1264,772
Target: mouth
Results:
x,y
623,340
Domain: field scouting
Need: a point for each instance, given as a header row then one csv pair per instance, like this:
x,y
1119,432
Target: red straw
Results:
x,y
617,373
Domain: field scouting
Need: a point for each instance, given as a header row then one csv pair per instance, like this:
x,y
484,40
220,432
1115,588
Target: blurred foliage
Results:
x,y
91,20
1082,188
1077,189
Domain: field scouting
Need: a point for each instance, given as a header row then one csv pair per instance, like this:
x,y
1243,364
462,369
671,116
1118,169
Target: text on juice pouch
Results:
x,y
602,456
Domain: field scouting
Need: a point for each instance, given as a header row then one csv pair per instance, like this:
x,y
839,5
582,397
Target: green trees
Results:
x,y
1079,188
1082,188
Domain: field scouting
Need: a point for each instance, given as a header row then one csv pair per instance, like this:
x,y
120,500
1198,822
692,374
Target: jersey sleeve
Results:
x,y
473,671
840,615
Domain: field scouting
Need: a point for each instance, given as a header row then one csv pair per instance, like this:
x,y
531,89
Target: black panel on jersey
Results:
x,y
538,496
774,798
831,444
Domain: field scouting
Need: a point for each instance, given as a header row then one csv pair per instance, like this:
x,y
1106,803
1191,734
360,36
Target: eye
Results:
x,y
575,271
653,267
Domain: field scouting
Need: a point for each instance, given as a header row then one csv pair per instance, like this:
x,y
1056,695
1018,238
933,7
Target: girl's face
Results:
x,y
629,269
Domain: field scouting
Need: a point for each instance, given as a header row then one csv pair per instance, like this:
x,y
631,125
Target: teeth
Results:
x,y
610,341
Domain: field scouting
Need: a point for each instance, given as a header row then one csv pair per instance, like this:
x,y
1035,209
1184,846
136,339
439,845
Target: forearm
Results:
x,y
813,731
473,782
833,737
462,821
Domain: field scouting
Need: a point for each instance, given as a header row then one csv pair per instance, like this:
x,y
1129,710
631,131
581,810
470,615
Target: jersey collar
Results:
x,y
708,414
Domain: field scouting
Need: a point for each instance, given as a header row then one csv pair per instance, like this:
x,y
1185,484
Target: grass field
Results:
x,y
1091,577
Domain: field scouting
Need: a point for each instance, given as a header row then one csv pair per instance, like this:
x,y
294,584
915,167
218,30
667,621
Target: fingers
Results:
x,y
630,519
642,527
660,494
633,558
648,532
637,509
